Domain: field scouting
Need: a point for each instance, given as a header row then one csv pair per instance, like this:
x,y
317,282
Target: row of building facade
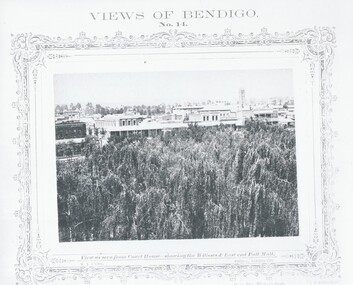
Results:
x,y
71,125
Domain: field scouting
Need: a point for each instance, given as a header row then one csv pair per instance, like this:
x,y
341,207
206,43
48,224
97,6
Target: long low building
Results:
x,y
119,120
147,129
150,129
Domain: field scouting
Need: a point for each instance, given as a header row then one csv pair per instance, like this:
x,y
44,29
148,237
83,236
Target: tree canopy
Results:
x,y
187,184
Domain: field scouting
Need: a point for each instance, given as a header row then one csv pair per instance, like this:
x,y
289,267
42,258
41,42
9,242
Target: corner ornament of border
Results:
x,y
28,49
319,44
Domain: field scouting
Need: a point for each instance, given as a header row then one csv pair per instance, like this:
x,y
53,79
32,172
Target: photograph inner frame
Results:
x,y
218,163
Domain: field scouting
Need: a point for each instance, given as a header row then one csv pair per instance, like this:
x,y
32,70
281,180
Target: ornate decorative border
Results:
x,y
30,52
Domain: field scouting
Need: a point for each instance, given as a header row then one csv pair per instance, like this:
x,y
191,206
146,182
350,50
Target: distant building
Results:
x,y
290,111
215,112
119,120
67,115
107,121
168,118
144,130
90,122
70,130
130,120
186,110
244,113
268,115
195,118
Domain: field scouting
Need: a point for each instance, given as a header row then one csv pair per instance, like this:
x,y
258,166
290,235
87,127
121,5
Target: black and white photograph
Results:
x,y
169,155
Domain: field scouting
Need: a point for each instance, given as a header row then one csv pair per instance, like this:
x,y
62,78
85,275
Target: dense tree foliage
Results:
x,y
192,183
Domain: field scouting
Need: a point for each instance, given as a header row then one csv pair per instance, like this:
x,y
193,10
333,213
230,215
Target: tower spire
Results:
x,y
242,97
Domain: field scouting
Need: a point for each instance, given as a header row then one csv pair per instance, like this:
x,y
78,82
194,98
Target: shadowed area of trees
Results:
x,y
188,184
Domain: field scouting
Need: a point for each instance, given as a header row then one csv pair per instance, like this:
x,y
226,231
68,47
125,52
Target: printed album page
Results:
x,y
176,142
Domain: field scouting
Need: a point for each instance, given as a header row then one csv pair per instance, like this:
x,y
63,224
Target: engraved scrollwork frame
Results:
x,y
30,52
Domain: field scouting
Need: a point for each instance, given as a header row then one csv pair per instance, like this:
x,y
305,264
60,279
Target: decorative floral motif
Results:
x,y
29,54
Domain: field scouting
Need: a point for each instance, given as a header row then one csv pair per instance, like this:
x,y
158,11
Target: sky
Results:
x,y
169,87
